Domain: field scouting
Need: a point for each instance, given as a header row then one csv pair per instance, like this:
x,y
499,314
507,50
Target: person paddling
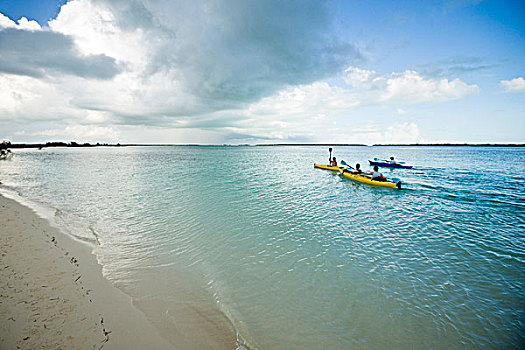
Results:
x,y
332,161
349,169
376,175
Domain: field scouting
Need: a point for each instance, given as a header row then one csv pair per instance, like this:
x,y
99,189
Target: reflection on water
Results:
x,y
297,257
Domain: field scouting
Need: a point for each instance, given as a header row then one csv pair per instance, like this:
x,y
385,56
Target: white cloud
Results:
x,y
364,88
27,97
95,31
410,88
82,133
304,99
302,105
406,132
23,23
358,77
514,85
404,88
6,22
402,133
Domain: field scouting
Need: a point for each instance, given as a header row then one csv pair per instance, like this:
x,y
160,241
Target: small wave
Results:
x,y
65,223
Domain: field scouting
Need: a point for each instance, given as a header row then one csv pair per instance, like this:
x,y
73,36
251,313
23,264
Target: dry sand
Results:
x,y
53,294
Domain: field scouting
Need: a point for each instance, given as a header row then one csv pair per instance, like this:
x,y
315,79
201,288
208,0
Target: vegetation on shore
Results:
x,y
8,144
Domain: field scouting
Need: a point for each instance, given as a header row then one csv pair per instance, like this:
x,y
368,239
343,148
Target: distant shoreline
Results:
x,y
407,145
86,145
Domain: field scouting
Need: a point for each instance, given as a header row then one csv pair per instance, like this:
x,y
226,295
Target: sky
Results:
x,y
262,71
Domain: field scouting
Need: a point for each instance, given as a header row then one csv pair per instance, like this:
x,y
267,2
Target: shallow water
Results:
x,y
297,257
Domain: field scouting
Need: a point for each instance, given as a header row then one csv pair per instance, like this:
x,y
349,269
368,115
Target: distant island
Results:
x,y
9,145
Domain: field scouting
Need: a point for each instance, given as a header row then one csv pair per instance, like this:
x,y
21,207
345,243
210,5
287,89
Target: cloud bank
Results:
x,y
405,88
363,88
167,63
217,54
39,53
231,70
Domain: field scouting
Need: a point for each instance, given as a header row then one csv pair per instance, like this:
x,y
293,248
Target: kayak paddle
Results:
x,y
346,164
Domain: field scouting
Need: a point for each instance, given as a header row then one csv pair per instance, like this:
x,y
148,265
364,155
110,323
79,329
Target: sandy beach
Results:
x,y
53,294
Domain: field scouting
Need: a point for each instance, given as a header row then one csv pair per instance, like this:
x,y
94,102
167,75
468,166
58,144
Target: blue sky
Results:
x,y
40,10
232,71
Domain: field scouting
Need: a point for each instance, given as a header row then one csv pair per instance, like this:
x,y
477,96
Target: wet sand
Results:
x,y
53,294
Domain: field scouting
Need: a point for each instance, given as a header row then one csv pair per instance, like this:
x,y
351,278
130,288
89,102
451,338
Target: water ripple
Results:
x,y
301,258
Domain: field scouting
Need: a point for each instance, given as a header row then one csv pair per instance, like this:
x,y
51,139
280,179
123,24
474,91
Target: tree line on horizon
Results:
x,y
8,144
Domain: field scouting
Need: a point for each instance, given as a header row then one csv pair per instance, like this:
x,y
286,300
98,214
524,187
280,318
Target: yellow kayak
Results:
x,y
367,180
359,178
326,167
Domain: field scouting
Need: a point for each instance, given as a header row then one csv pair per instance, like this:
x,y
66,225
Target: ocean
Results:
x,y
296,257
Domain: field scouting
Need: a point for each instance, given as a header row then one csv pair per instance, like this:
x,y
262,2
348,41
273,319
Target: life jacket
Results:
x,y
377,176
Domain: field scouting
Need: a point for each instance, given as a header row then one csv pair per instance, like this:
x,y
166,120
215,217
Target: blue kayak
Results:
x,y
388,165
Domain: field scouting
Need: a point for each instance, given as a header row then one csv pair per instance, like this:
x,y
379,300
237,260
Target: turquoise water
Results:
x,y
297,257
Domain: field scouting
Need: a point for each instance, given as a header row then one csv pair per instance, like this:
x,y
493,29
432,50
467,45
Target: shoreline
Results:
x,y
131,323
54,294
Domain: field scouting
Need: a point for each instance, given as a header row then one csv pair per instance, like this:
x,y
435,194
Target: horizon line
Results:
x,y
118,144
